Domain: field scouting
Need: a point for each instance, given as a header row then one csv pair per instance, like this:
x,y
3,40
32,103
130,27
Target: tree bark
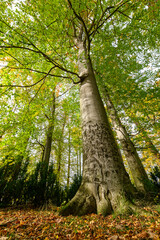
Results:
x,y
47,148
148,140
138,172
60,150
79,162
69,159
48,144
105,183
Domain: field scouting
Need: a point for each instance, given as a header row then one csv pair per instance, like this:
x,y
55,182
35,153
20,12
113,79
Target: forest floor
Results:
x,y
38,225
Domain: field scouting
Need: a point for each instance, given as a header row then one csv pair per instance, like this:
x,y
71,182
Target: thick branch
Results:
x,y
83,23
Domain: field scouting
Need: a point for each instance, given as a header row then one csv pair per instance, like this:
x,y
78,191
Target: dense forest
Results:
x,y
79,106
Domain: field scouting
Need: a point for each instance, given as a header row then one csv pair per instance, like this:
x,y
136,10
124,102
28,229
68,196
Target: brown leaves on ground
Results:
x,y
38,225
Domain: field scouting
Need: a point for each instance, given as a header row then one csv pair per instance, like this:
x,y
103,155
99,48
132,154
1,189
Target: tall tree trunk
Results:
x,y
69,159
60,150
105,183
148,140
48,144
47,148
138,172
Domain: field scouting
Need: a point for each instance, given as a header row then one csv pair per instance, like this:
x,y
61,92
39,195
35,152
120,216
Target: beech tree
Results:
x,y
136,167
132,81
56,39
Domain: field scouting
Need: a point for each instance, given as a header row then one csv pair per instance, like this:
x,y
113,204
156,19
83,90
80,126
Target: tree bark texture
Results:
x,y
137,170
105,183
79,162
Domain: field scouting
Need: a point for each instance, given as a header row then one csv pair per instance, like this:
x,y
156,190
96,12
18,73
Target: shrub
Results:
x,y
18,187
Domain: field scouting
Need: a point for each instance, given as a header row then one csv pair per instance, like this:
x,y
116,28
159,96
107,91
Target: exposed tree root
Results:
x,y
83,203
88,201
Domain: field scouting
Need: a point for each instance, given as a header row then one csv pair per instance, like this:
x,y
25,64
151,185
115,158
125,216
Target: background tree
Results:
x,y
137,170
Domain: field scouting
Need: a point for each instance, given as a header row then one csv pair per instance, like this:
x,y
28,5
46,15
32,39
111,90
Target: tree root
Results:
x,y
87,201
92,198
81,204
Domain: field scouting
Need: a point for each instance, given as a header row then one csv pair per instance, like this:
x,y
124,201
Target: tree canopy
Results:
x,y
42,65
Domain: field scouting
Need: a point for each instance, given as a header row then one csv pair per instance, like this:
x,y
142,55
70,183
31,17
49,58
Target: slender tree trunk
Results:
x,y
105,183
148,140
69,159
59,160
138,172
48,144
60,150
47,148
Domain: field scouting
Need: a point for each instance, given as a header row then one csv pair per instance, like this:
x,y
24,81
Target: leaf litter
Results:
x,y
46,225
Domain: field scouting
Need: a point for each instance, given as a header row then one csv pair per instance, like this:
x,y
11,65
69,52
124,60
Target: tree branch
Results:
x,y
124,14
37,92
28,86
57,65
40,144
13,58
5,91
83,23
99,25
25,48
37,71
65,92
103,13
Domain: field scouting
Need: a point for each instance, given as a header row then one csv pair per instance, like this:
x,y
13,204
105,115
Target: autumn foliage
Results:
x,y
37,225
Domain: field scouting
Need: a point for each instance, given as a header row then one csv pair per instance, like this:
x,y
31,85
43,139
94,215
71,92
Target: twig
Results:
x,y
3,224
25,48
28,86
99,25
65,92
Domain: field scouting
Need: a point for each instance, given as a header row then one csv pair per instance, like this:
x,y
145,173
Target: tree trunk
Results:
x,y
79,162
105,183
48,144
148,141
47,148
60,150
138,172
69,159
